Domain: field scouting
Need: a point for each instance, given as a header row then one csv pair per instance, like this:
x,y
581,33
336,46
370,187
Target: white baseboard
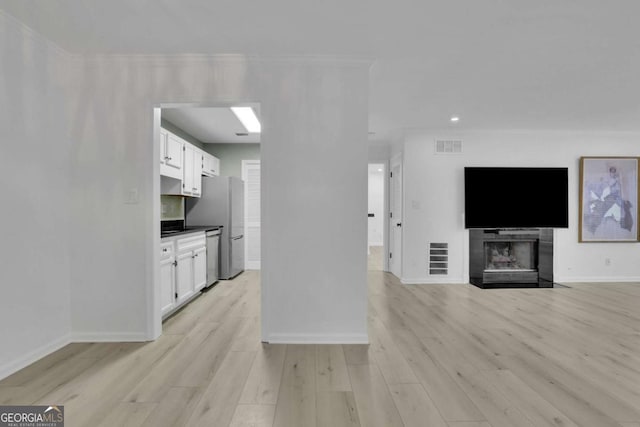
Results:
x,y
317,339
433,281
596,279
33,356
109,337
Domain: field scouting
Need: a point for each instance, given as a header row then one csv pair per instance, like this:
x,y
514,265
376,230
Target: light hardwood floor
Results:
x,y
440,355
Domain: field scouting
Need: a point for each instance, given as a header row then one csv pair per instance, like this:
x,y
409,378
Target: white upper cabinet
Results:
x,y
163,147
197,172
174,151
186,163
192,177
189,167
210,165
171,152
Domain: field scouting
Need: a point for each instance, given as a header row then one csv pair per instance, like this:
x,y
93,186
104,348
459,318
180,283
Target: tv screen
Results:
x,y
496,197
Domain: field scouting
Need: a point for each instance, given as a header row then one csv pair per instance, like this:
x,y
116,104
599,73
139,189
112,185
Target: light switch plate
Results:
x,y
131,198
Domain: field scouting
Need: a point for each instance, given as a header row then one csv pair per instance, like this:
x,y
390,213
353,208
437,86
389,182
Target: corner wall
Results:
x,y
34,183
434,199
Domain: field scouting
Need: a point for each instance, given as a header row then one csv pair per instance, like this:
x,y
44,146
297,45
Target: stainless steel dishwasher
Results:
x,y
213,256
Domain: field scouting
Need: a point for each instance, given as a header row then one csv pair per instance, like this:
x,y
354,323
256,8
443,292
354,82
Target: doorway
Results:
x,y
209,132
376,223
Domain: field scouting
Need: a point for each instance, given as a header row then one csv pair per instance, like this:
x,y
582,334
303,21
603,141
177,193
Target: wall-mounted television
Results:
x,y
507,197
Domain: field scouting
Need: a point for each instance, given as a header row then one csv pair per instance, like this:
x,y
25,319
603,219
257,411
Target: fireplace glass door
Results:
x,y
510,255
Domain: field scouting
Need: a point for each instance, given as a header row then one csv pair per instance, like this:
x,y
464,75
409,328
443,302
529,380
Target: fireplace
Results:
x,y
511,258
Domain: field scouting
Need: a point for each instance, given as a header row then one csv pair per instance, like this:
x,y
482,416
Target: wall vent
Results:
x,y
448,146
438,258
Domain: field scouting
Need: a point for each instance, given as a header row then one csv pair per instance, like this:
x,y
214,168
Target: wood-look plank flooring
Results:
x,y
440,355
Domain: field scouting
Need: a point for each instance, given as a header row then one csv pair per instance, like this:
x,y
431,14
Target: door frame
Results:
x,y
385,213
394,231
154,327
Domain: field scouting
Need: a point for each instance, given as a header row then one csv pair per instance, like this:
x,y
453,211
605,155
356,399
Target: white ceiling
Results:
x,y
499,64
211,125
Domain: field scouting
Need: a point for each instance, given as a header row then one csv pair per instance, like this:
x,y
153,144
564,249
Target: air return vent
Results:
x,y
448,146
438,258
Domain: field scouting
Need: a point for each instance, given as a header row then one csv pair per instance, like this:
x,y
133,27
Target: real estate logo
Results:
x,y
32,416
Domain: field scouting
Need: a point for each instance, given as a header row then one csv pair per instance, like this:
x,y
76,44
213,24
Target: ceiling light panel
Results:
x,y
248,118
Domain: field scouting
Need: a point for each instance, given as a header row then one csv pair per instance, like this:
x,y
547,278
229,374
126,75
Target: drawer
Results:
x,y
191,242
166,250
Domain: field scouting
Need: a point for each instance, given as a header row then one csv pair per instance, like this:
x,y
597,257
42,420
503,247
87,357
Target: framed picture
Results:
x,y
609,199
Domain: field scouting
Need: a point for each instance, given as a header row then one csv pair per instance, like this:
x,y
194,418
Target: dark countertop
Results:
x,y
187,230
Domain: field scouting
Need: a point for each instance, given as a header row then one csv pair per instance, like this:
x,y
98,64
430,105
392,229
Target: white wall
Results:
x,y
231,156
81,183
34,183
314,157
434,199
376,204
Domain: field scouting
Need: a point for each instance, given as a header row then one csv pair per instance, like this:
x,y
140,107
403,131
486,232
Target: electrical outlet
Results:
x,y
607,262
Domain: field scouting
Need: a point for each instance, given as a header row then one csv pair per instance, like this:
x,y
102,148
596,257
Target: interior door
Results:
x,y
395,220
251,177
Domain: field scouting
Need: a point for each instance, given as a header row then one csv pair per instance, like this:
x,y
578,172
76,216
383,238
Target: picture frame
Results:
x,y
609,193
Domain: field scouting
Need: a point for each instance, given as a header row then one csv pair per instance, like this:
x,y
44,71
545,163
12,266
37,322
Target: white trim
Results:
x,y
433,280
597,279
109,337
152,240
317,339
41,41
228,58
33,356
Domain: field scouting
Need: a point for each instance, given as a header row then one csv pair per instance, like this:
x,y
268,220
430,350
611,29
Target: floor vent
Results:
x,y
438,258
448,146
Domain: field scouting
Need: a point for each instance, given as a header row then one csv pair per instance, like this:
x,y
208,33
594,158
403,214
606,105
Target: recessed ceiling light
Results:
x,y
248,118
455,119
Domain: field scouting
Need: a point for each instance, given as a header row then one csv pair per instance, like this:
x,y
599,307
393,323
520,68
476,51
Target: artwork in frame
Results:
x,y
609,199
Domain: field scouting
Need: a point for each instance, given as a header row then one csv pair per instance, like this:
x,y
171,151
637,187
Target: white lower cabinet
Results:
x,y
184,273
167,278
200,268
184,277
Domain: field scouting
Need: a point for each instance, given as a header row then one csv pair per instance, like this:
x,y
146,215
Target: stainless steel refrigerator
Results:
x,y
222,203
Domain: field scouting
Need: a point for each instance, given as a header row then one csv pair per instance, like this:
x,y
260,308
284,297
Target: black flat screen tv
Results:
x,y
503,197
